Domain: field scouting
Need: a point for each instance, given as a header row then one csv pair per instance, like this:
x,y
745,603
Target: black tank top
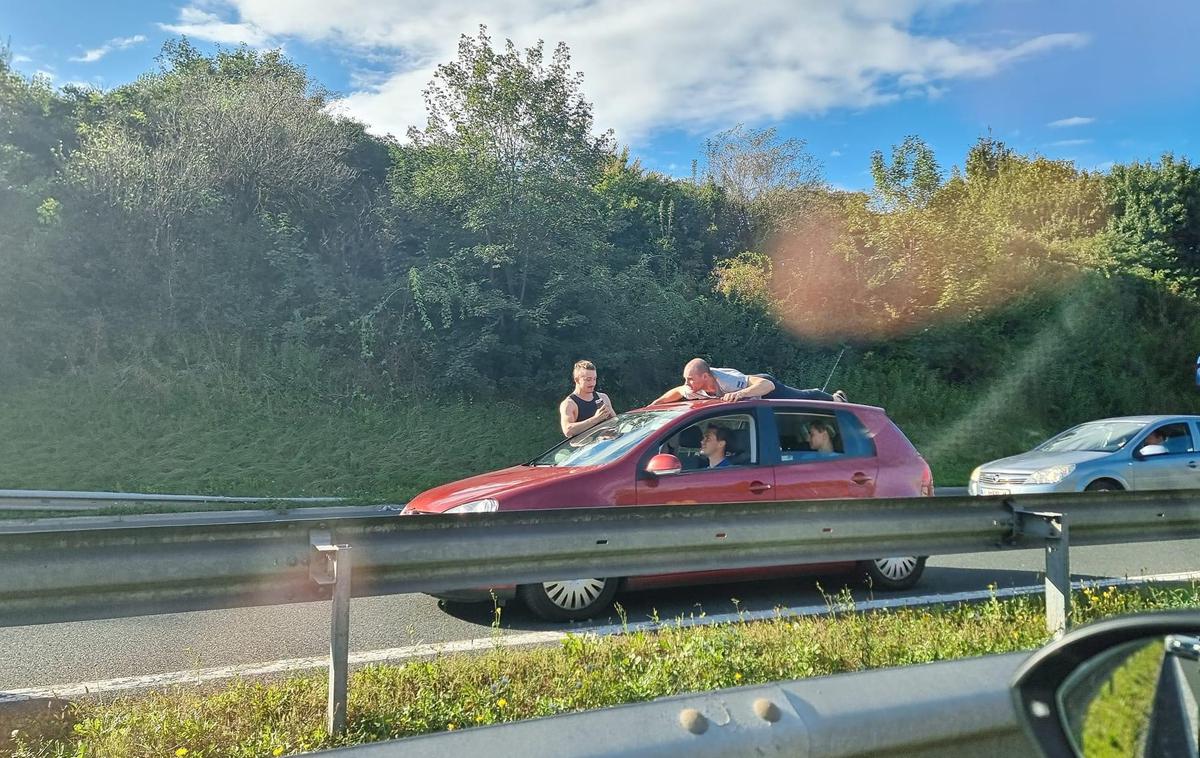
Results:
x,y
586,408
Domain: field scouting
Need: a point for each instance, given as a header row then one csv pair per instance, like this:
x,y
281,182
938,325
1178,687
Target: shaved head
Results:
x,y
697,366
698,377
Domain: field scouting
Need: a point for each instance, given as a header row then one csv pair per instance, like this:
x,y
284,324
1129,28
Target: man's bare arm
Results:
x,y
673,395
568,412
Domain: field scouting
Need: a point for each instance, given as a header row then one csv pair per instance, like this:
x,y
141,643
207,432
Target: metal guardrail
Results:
x,y
101,567
65,565
60,500
952,708
63,500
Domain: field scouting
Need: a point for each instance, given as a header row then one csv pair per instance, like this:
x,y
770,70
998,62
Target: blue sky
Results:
x,y
1094,82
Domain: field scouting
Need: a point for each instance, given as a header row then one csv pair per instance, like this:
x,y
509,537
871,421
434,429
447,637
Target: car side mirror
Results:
x,y
1123,686
663,463
1149,451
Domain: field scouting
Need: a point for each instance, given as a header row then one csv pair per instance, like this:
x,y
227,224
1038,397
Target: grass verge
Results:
x,y
226,432
250,718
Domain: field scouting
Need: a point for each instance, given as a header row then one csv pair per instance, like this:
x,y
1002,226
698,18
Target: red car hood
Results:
x,y
492,484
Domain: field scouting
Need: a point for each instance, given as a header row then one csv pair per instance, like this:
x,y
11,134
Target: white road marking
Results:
x,y
401,654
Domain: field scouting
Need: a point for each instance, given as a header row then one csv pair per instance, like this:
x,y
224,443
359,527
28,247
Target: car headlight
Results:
x,y
487,505
1052,474
973,482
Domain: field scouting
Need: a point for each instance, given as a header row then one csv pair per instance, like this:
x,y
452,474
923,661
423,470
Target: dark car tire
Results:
x,y
1103,485
569,599
898,573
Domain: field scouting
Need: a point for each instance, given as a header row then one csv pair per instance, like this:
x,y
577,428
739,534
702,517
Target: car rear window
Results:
x,y
847,434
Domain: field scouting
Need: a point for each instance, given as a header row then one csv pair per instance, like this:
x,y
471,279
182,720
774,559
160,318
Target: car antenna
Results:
x,y
835,365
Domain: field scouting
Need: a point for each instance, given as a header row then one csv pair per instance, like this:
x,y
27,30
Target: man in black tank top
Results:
x,y
585,407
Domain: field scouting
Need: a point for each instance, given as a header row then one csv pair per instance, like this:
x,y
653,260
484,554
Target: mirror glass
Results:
x,y
1135,699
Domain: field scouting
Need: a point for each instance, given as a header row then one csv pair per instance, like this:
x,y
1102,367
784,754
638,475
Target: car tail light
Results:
x,y
926,480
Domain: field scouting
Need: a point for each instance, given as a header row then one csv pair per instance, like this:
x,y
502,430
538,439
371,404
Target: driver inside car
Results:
x,y
714,444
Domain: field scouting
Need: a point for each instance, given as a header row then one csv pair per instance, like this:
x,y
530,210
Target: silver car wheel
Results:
x,y
896,569
573,594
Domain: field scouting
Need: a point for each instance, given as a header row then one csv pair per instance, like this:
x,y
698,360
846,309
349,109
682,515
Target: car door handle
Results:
x,y
860,478
758,487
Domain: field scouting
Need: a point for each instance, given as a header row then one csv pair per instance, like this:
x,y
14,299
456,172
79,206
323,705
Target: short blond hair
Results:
x,y
582,366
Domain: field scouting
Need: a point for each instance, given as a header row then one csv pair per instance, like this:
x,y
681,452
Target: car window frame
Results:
x,y
1188,424
864,446
756,416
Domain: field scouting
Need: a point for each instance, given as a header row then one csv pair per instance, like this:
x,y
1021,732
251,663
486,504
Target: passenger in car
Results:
x,y
702,381
820,436
585,407
714,444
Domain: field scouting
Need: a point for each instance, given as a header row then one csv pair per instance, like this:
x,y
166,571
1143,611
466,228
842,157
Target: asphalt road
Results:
x,y
52,654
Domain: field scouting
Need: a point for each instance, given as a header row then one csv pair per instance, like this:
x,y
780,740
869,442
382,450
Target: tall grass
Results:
x,y
221,432
284,421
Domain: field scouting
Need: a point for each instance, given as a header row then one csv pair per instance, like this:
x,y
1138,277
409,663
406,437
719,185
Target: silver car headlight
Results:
x,y
487,505
1051,474
973,483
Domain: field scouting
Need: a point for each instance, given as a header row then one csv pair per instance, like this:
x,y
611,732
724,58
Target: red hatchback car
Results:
x,y
652,456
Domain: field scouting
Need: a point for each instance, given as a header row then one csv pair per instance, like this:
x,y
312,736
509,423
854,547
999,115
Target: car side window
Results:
x,y
1176,438
809,437
735,432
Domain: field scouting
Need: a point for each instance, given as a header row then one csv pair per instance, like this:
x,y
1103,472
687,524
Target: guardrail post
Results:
x,y
1052,527
331,565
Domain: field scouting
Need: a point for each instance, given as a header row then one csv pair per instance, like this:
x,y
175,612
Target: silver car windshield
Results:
x,y
1097,436
608,440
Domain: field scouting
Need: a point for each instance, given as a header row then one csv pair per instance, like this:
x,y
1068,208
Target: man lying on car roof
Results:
x,y
701,381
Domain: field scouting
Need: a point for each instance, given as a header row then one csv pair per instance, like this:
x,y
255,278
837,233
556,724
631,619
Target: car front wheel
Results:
x,y
568,599
893,573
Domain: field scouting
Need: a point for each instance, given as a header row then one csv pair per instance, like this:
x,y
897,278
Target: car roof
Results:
x,y
758,401
1145,419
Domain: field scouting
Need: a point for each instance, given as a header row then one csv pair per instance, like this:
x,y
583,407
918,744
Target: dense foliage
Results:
x,y
219,205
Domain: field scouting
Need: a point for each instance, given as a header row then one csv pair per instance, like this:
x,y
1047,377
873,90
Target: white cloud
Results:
x,y
119,43
200,24
648,63
1072,121
835,153
1070,142
18,59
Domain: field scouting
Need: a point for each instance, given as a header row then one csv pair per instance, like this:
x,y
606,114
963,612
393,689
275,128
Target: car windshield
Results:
x,y
609,440
1098,436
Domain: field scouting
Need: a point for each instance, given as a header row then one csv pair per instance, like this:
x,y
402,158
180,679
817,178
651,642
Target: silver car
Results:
x,y
1126,453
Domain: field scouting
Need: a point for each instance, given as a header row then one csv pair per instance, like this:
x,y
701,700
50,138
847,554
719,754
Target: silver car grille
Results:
x,y
1000,477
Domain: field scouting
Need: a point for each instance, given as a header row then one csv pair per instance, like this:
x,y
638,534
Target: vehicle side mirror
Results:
x,y
1123,686
663,463
1150,451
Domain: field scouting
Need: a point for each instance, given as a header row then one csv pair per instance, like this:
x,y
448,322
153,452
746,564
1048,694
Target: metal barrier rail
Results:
x,y
64,567
101,567
62,500
951,708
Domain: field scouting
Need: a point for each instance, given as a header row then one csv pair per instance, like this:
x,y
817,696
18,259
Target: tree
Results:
x,y
503,177
1155,221
911,178
768,180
